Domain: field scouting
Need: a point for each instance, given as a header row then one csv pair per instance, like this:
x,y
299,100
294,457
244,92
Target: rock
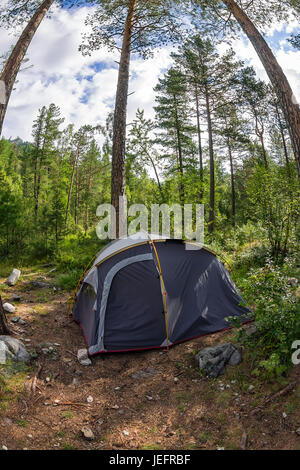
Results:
x,y
251,388
142,374
293,281
4,448
284,415
12,349
126,433
90,399
13,277
83,357
298,431
87,433
15,319
236,358
40,285
16,298
213,360
9,308
22,322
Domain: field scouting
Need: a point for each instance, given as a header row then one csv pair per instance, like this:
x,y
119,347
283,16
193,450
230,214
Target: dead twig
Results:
x,y
274,397
244,441
35,379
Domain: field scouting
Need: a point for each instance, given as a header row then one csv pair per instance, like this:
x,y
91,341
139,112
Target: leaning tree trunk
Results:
x,y
13,63
278,79
4,329
120,113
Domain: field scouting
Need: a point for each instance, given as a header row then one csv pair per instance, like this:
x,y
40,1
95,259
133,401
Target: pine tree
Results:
x,y
141,25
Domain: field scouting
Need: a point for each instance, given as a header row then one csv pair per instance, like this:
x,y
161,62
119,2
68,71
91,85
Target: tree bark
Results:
x,y
211,165
13,63
200,150
278,79
232,183
76,157
180,158
120,114
4,329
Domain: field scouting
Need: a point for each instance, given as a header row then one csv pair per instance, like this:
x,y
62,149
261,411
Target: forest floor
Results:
x,y
142,400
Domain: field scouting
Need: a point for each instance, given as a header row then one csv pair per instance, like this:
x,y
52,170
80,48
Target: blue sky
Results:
x,y
84,87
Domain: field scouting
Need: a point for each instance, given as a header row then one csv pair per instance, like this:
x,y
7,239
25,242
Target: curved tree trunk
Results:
x,y
120,114
13,63
278,79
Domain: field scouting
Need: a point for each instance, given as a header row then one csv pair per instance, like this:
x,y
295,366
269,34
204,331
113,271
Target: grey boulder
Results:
x,y
9,308
83,358
13,277
12,349
213,360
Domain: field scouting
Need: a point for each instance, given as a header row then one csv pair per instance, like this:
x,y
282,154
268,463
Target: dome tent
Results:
x,y
148,291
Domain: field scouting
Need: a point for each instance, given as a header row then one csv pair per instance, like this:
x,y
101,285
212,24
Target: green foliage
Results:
x,y
277,313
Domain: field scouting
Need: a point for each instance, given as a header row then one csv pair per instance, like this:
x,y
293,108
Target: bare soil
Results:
x,y
141,400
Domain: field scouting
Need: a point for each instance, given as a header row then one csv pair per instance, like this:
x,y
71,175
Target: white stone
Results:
x,y
9,308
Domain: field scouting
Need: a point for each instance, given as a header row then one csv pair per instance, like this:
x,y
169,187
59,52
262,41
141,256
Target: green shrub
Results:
x,y
277,313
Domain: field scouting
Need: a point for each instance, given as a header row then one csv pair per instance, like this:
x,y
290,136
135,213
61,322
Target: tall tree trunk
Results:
x,y
120,114
4,329
286,155
13,63
76,214
71,184
232,183
200,150
280,83
211,164
180,158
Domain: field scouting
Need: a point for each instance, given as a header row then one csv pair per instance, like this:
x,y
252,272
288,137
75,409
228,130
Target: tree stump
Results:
x,y
4,329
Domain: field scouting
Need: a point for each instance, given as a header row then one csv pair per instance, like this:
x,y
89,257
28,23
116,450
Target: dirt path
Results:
x,y
147,400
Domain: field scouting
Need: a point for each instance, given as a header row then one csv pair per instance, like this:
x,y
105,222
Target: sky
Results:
x,y
84,87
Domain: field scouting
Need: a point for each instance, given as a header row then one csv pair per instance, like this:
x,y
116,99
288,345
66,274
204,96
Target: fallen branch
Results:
x,y
69,403
35,379
244,441
274,397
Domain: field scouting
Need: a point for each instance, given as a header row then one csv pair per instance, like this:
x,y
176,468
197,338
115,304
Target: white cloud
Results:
x,y
60,74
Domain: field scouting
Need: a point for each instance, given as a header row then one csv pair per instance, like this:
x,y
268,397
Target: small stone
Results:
x,y
87,433
83,358
126,433
48,379
4,448
251,388
117,389
16,298
13,277
298,431
22,322
176,379
90,399
75,381
15,319
115,407
293,281
284,415
29,436
149,397
9,308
